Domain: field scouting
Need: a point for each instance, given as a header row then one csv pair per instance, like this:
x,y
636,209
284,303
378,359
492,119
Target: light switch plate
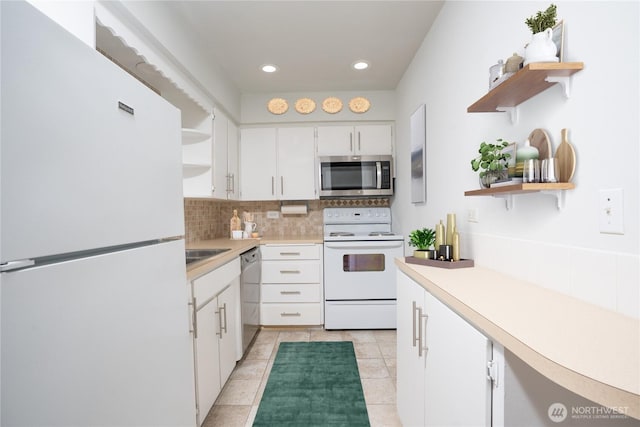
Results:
x,y
273,214
611,210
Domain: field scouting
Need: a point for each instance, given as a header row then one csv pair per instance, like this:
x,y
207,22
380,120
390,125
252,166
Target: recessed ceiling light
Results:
x,y
269,68
360,65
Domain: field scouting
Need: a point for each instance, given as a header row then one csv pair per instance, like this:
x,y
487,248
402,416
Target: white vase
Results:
x,y
541,48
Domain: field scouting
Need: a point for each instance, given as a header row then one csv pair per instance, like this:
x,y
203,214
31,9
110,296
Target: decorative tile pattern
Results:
x,y
209,219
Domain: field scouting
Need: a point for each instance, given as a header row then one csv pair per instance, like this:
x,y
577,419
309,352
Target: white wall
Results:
x,y
562,250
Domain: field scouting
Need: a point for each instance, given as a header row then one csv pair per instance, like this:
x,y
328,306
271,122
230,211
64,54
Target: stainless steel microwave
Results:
x,y
355,176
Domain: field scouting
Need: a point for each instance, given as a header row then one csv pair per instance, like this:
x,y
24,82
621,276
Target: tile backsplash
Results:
x,y
209,219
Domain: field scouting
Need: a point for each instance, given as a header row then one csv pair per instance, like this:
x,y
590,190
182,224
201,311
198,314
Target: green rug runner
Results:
x,y
313,384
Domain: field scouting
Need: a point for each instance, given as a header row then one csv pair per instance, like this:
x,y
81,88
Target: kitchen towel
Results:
x,y
313,384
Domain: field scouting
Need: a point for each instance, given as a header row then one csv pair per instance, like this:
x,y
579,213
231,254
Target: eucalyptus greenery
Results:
x,y
491,157
422,239
542,20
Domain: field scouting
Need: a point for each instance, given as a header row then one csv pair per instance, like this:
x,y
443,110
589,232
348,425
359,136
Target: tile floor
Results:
x,y
375,352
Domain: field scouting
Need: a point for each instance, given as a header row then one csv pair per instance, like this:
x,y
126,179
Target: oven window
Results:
x,y
363,262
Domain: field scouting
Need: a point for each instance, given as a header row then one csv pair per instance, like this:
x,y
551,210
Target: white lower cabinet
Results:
x,y
291,289
215,300
442,363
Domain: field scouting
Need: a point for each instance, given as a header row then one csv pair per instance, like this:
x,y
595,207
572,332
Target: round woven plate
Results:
x,y
305,105
332,105
277,106
359,105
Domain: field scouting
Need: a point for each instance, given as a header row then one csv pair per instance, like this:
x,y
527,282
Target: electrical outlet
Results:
x,y
611,211
273,214
473,215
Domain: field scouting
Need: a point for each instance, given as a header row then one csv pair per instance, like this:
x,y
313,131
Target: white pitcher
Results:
x,y
249,227
541,48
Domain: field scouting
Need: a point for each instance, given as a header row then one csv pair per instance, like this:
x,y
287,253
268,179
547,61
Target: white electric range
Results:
x,y
359,269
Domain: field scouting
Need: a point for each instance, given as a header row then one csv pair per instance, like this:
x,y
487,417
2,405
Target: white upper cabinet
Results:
x,y
355,140
258,159
296,163
277,164
225,158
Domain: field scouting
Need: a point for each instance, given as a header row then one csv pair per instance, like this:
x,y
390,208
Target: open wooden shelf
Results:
x,y
521,188
525,84
556,189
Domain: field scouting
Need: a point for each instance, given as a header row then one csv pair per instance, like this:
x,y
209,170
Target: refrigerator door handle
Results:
x,y
15,265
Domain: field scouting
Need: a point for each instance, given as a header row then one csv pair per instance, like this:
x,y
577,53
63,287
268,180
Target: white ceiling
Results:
x,y
313,43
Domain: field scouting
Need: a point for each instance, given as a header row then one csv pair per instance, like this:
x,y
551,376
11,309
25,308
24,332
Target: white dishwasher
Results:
x,y
250,295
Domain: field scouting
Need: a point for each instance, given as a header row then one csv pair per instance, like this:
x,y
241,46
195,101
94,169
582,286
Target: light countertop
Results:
x,y
587,349
236,247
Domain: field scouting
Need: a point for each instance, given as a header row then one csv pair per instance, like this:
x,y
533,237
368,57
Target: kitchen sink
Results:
x,y
194,255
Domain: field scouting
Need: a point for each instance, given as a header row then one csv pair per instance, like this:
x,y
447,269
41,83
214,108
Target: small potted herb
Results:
x,y
423,241
492,161
541,48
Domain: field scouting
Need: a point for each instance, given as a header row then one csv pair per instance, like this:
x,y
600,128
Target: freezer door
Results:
x,y
90,157
99,341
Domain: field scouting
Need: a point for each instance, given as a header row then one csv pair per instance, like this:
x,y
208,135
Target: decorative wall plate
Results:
x,y
332,105
359,105
305,105
277,106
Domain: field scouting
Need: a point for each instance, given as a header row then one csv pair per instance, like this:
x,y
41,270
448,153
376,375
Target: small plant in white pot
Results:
x,y
541,48
423,240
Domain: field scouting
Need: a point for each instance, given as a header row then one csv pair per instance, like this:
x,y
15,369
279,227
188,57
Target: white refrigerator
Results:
x,y
94,315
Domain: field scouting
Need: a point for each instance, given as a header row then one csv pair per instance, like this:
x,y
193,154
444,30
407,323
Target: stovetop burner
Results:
x,y
340,233
381,233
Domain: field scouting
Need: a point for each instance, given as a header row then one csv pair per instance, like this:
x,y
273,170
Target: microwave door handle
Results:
x,y
378,175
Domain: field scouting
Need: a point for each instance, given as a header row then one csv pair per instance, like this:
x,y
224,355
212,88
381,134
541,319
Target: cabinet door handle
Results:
x,y
290,253
224,308
359,146
233,183
350,141
422,346
290,292
281,185
413,315
273,185
289,271
290,314
194,317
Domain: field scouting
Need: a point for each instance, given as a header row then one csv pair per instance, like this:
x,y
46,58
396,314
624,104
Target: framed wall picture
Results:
x,y
418,155
558,39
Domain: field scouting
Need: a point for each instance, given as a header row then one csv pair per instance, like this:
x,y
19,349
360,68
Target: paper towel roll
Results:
x,y
293,209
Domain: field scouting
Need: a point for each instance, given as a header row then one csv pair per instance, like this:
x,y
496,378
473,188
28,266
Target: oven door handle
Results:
x,y
368,244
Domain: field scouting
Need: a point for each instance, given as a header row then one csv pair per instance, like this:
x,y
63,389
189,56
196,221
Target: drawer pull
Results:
x,y
290,253
289,271
290,314
290,292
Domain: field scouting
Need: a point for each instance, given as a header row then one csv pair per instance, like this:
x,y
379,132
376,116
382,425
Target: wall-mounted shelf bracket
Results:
x,y
508,200
564,81
559,195
513,113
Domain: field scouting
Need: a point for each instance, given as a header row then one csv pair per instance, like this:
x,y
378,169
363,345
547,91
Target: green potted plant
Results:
x,y
541,48
423,240
492,161
542,20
